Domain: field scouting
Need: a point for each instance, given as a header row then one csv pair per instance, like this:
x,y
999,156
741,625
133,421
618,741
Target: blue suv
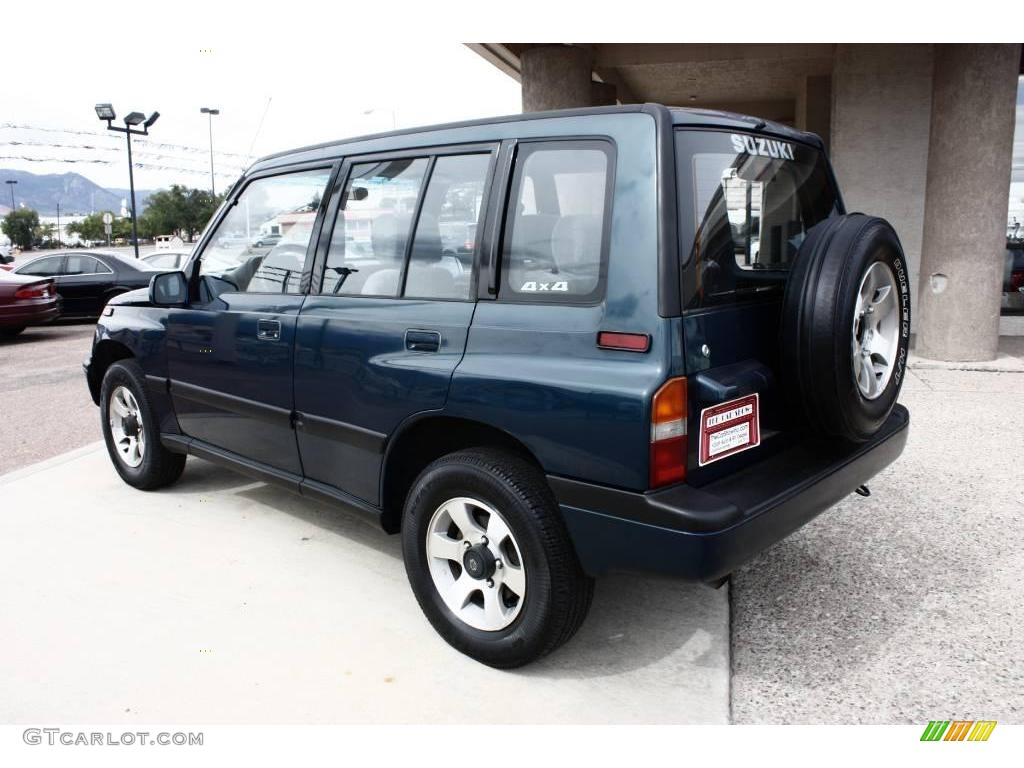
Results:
x,y
539,347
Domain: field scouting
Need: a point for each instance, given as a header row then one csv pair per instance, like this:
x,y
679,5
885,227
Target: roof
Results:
x,y
679,116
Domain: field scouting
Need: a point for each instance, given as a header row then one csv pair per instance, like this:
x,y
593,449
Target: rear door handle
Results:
x,y
422,341
268,330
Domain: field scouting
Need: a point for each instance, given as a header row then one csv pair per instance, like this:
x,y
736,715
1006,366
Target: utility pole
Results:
x,y
11,183
58,224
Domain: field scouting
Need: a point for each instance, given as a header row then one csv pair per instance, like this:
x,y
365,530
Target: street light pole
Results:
x,y
131,188
211,112
106,112
11,183
58,225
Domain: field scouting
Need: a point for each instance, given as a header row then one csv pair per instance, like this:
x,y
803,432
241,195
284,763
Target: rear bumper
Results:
x,y
29,313
705,533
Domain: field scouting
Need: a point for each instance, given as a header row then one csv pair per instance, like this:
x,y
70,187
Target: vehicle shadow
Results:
x,y
634,622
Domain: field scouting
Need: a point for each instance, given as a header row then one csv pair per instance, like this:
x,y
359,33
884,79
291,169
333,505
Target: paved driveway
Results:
x,y
222,600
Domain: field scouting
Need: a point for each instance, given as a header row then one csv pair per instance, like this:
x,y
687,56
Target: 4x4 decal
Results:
x,y
535,286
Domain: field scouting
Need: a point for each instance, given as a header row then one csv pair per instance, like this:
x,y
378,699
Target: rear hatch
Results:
x,y
746,200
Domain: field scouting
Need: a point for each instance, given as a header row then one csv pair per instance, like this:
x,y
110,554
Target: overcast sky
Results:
x,y
282,77
271,97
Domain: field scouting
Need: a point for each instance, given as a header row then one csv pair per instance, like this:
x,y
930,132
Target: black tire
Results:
x,y
558,592
10,333
159,467
817,333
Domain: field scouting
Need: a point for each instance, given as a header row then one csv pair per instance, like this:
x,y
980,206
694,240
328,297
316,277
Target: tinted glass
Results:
x,y
554,248
80,264
48,266
746,203
370,235
441,262
287,203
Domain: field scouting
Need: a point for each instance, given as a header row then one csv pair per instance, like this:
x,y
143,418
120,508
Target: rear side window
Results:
x,y
746,203
556,230
373,227
80,264
441,260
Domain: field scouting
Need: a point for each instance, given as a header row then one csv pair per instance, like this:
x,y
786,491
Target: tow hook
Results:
x,y
863,490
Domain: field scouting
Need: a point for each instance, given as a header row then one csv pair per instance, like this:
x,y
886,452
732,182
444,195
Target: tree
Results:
x,y
20,226
178,210
90,228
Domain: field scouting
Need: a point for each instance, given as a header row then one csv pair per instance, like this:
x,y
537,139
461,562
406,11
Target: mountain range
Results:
x,y
74,192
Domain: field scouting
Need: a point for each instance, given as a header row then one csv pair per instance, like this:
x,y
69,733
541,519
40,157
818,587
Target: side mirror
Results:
x,y
168,289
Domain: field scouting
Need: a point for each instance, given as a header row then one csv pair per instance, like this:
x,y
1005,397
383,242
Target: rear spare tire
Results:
x,y
846,326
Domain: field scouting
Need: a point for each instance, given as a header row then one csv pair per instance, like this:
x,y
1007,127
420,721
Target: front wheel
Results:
x,y
131,432
490,560
10,333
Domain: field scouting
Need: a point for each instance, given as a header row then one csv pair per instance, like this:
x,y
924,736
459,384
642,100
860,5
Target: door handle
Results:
x,y
422,341
268,330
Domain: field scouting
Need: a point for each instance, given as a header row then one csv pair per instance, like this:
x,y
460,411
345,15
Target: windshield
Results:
x,y
746,203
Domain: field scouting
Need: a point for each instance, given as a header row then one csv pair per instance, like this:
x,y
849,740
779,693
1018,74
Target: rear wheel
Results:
x,y
10,333
131,432
489,559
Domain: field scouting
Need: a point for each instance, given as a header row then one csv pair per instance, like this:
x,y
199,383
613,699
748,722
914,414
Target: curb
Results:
x,y
56,461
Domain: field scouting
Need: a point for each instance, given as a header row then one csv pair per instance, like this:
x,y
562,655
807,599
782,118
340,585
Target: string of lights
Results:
x,y
142,142
89,147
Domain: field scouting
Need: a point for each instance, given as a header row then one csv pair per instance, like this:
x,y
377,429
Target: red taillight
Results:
x,y
668,433
33,291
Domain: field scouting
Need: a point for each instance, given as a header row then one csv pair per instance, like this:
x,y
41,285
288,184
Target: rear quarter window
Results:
x,y
557,221
746,203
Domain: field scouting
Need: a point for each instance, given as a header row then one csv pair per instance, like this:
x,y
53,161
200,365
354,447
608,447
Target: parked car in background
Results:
x,y
1013,277
166,259
266,241
26,300
86,281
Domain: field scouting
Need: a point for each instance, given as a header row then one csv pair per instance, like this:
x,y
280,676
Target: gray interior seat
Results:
x,y
427,278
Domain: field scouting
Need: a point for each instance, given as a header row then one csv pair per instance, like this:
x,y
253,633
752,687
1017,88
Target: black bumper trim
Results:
x,y
705,533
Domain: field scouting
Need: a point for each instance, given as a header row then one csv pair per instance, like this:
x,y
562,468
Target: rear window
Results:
x,y
746,203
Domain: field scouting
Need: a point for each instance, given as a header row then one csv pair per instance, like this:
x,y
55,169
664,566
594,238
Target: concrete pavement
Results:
x,y
898,608
222,600
906,606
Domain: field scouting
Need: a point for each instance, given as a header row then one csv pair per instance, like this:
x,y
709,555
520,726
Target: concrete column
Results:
x,y
814,106
556,77
881,110
966,200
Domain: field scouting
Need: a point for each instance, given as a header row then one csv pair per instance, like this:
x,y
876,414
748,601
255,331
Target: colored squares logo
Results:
x,y
958,730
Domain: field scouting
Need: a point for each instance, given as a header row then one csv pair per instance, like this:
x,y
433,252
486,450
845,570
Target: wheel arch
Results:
x,y
422,440
105,354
